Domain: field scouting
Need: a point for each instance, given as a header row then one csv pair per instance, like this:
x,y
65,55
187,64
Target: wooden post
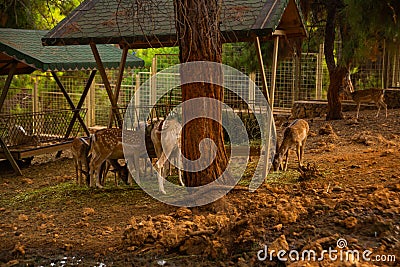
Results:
x,y
252,88
92,105
137,99
118,84
274,69
270,118
319,72
107,85
8,83
10,157
35,97
262,69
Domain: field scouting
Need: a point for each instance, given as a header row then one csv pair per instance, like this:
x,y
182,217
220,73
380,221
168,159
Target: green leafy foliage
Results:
x,y
34,14
370,22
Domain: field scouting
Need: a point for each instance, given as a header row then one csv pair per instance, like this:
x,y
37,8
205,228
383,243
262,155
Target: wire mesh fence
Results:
x,y
302,78
34,128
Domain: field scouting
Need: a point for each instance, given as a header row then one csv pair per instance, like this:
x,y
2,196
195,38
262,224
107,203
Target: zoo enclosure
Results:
x,y
309,82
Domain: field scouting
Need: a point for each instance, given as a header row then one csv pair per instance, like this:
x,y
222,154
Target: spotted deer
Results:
x,y
18,136
166,139
120,171
294,135
364,96
107,145
80,152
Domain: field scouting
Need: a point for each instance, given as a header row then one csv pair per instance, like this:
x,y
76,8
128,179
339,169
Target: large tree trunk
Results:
x,y
336,73
334,102
197,24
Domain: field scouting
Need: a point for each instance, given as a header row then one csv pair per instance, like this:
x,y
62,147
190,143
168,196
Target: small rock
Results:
x,y
326,129
183,212
12,263
350,222
19,249
88,211
23,217
279,244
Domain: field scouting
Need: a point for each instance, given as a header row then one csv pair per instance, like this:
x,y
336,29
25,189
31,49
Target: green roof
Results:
x,y
26,47
143,24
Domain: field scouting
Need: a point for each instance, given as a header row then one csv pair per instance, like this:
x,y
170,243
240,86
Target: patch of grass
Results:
x,y
63,193
48,193
283,177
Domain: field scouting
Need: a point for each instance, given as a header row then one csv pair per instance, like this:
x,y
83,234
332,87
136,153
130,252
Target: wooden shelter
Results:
x,y
147,24
22,52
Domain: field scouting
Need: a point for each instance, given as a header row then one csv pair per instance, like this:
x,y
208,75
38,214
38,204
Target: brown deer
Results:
x,y
170,148
18,136
120,171
107,145
364,96
80,152
294,135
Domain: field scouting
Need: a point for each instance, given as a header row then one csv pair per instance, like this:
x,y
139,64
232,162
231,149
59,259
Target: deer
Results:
x,y
18,136
364,96
120,171
166,148
294,135
80,152
106,145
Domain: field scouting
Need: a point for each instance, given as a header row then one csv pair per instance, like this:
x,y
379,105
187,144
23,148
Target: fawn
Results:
x,y
295,134
169,148
364,96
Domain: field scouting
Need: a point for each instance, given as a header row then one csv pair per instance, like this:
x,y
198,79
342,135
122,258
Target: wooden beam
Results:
x,y
71,104
274,70
262,69
8,83
10,157
107,85
119,81
80,104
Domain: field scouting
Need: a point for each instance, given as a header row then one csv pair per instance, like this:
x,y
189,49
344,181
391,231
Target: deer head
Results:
x,y
347,85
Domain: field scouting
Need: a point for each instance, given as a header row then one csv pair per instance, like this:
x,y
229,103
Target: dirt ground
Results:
x,y
349,201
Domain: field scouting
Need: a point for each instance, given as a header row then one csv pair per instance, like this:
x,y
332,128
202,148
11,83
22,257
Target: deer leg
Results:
x,y
358,109
160,177
136,166
76,170
98,173
384,105
302,151
286,160
298,153
95,169
104,168
79,163
161,174
379,108
178,162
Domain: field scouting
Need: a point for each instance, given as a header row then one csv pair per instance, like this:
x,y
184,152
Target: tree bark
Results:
x,y
334,101
336,72
199,36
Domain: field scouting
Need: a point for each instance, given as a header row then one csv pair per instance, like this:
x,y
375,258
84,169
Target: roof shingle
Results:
x,y
26,47
143,24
